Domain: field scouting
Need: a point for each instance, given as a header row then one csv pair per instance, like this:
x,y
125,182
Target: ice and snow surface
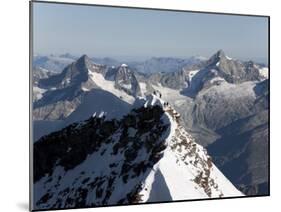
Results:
x,y
111,106
109,86
231,91
264,72
143,88
192,73
38,93
227,57
124,65
169,94
175,179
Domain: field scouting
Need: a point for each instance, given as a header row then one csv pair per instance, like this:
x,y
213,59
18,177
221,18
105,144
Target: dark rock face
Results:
x,y
137,135
125,80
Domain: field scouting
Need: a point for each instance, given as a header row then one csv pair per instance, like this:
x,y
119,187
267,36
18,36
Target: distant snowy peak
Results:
x,y
126,80
217,58
63,92
221,68
124,70
233,71
75,74
85,63
124,65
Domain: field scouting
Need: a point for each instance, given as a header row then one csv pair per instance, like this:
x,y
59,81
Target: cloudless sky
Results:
x,y
138,33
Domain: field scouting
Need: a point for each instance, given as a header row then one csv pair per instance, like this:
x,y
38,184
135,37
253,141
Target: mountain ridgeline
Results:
x,y
109,133
146,156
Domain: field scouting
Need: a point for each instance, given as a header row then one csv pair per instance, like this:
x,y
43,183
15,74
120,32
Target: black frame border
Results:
x,y
142,8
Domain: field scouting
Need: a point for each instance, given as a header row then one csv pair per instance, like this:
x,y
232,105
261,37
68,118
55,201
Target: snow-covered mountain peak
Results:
x,y
217,57
125,80
124,65
84,61
220,53
124,70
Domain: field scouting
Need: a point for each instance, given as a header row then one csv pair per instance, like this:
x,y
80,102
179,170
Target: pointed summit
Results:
x,y
218,56
124,65
84,61
220,53
123,70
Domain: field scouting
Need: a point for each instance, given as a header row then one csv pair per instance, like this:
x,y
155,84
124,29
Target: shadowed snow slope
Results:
x,y
95,102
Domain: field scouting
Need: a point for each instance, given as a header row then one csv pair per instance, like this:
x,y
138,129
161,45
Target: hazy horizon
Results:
x,y
138,34
141,59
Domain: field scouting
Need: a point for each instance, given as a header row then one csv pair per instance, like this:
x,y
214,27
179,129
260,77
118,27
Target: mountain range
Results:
x,y
153,123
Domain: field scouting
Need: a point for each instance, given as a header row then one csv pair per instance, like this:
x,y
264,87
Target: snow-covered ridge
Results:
x,y
185,169
145,157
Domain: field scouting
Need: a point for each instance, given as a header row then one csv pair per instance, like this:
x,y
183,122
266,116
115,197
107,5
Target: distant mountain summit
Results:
x,y
66,90
219,55
126,80
60,95
221,68
74,74
235,71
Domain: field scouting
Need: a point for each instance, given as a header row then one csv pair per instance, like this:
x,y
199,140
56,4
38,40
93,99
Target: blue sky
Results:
x,y
137,33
